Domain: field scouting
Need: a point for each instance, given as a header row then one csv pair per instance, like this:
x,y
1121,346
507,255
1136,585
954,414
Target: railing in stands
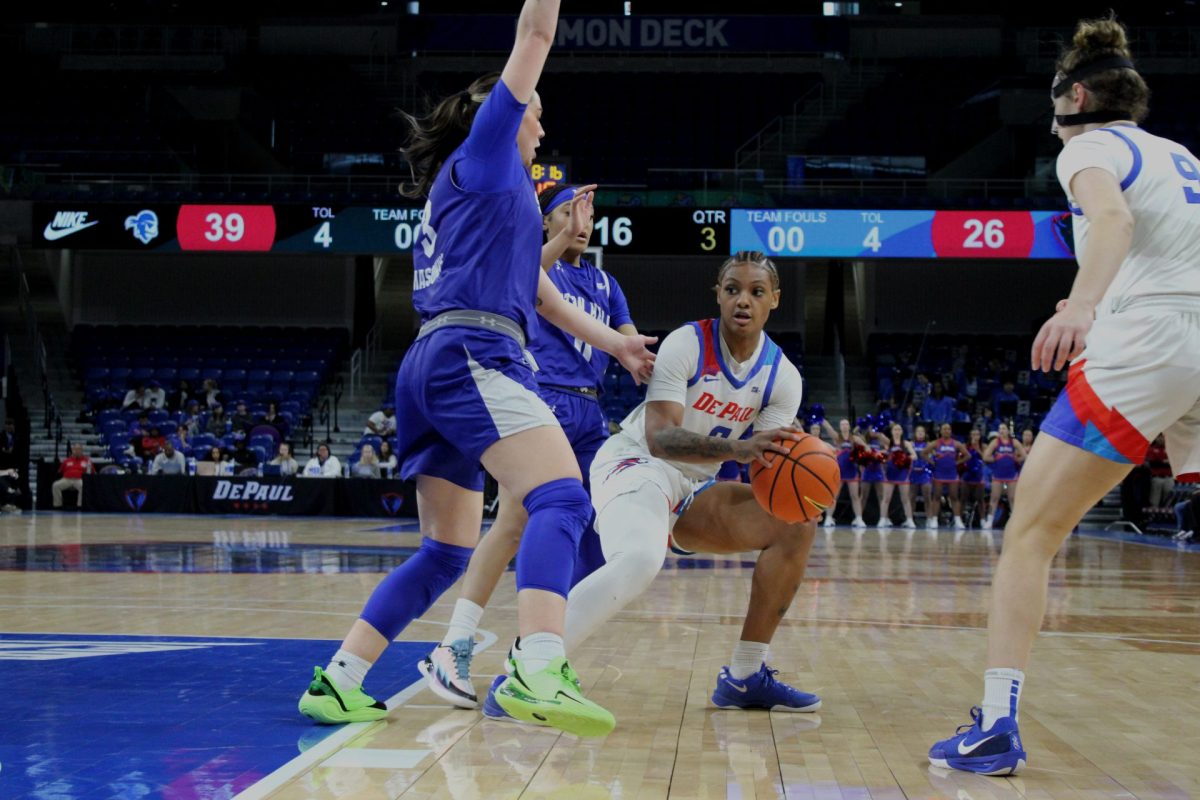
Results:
x,y
339,388
356,372
371,345
323,418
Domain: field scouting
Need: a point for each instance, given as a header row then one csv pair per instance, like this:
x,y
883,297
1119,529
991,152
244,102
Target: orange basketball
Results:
x,y
799,486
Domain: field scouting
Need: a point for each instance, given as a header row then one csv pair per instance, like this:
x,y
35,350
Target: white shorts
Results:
x,y
1138,377
621,467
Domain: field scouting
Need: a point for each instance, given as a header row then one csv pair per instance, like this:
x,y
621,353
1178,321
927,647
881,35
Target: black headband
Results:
x,y
1090,68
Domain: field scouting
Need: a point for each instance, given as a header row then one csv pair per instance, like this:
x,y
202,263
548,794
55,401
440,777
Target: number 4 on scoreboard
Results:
x,y
872,242
323,237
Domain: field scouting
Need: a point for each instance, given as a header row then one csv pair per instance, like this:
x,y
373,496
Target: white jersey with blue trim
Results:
x,y
720,397
1161,183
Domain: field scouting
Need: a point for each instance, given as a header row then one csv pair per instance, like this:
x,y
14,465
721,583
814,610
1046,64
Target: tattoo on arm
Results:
x,y
680,443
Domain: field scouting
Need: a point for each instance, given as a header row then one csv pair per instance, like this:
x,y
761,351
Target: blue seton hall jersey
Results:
x,y
563,360
481,234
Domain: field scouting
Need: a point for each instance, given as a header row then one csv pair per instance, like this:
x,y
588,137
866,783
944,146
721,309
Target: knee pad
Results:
x,y
410,589
567,500
559,511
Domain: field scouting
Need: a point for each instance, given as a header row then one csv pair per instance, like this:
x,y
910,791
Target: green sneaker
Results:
x,y
552,697
324,702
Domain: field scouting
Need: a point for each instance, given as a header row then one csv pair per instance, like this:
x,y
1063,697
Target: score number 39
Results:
x,y
229,227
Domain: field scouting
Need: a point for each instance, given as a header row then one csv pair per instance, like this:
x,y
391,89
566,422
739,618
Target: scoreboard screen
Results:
x,y
380,230
864,234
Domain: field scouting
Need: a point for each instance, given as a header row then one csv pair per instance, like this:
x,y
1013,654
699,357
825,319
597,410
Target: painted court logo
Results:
x,y
135,498
392,502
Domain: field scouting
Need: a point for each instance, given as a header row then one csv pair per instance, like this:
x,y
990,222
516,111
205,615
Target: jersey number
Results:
x,y
428,234
721,432
1187,168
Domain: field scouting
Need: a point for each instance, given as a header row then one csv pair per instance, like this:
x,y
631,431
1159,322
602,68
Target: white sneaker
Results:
x,y
958,524
986,525
931,523
884,523
858,523
829,523
908,523
447,672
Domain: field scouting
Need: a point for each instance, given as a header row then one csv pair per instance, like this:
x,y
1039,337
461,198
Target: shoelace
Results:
x,y
462,650
976,714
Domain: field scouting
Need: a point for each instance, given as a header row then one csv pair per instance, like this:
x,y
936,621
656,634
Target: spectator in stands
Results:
x,y
283,459
191,417
242,420
182,397
387,459
1005,394
10,491
964,411
221,463
908,419
179,439
169,461
72,469
1162,481
147,447
210,394
155,396
275,420
970,383
986,421
216,421
323,465
1186,513
368,463
920,389
135,397
382,422
8,444
243,456
937,406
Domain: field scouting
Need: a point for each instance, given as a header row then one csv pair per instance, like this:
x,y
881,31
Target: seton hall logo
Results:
x,y
392,502
135,498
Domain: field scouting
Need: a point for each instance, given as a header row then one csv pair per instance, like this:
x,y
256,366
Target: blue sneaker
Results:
x,y
492,709
761,690
996,751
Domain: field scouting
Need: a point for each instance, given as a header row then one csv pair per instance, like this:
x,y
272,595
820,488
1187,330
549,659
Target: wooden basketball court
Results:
x,y
887,628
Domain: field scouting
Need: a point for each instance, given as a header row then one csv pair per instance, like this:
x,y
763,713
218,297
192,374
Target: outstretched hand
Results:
x,y
634,356
581,210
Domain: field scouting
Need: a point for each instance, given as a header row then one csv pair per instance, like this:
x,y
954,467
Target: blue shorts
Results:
x,y
848,468
896,474
919,477
458,392
582,420
872,473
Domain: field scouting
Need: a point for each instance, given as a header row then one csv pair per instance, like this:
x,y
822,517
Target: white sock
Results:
x,y
539,649
748,658
464,622
632,528
347,670
1001,694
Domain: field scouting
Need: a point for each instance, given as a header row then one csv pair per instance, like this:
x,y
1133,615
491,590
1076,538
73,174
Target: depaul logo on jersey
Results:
x,y
722,410
625,464
144,225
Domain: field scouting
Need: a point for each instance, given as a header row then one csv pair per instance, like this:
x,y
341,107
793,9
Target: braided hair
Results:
x,y
756,257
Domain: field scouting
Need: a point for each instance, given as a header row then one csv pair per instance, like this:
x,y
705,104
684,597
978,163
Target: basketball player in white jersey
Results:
x,y
653,484
1131,330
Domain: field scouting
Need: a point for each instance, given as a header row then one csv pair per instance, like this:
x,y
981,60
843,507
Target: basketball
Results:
x,y
799,486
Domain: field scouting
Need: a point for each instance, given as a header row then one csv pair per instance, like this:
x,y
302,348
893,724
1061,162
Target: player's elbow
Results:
x,y
1116,219
653,443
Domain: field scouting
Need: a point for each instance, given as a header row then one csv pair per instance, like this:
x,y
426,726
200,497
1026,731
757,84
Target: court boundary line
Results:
x,y
309,759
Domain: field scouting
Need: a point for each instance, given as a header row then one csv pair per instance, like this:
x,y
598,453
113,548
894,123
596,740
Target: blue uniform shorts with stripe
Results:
x,y
458,392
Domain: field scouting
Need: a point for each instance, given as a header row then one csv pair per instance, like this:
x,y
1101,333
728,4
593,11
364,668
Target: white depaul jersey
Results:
x,y
1161,182
720,397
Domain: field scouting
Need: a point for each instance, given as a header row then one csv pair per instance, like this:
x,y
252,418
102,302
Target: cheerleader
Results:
x,y
972,475
845,440
897,473
870,456
948,453
919,476
1004,454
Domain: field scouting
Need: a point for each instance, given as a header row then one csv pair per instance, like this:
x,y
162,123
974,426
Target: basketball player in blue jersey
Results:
x,y
1130,329
468,399
1005,455
569,376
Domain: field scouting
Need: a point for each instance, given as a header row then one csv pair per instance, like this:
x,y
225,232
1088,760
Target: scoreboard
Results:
x,y
384,229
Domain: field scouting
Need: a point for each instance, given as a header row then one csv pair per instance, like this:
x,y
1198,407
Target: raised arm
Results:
x,y
581,210
535,36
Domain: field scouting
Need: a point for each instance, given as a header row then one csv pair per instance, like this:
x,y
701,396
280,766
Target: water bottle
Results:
x,y
191,466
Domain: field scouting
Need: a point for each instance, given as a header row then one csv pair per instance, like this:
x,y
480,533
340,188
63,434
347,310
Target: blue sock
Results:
x,y
558,512
411,588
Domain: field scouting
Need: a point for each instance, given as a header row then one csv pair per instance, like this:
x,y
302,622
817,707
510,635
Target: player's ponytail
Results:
x,y
433,137
1121,88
